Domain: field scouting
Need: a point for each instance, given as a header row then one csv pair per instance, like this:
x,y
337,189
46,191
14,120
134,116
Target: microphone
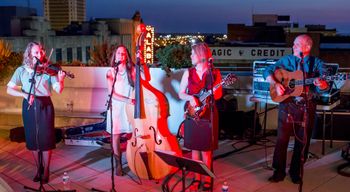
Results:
x,y
210,61
37,61
301,54
116,64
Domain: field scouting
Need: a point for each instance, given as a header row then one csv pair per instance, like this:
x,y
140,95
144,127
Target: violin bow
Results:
x,y
50,55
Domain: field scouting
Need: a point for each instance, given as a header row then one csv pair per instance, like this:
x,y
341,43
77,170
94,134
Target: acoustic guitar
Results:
x,y
293,83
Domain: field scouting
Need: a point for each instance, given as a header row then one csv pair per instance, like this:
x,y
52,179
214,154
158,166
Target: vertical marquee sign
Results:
x,y
148,48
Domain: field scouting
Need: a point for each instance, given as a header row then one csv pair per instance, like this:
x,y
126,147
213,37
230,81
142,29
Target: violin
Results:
x,y
52,70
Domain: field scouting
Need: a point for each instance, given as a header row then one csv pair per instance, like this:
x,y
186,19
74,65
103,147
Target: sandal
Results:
x,y
207,186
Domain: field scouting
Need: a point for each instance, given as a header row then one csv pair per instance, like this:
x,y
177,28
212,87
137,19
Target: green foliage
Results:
x,y
9,60
9,64
174,56
100,54
5,48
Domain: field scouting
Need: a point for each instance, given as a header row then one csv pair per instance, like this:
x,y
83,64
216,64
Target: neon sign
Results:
x,y
148,48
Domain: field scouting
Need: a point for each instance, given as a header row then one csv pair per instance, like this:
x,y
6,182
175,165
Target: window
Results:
x,y
79,54
58,54
87,54
69,55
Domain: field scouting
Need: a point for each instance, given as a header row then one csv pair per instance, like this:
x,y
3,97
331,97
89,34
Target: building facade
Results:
x,y
7,13
61,13
68,48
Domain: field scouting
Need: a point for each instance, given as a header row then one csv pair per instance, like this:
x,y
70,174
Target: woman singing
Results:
x,y
122,68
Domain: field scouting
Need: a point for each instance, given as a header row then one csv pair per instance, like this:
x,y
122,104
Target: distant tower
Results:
x,y
61,13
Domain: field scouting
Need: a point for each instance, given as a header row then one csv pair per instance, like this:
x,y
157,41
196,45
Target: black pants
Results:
x,y
290,117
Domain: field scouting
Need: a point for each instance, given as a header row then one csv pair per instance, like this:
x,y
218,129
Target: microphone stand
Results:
x,y
39,164
304,124
109,106
211,104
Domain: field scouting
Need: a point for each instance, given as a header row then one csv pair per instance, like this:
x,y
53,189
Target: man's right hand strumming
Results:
x,y
278,86
279,89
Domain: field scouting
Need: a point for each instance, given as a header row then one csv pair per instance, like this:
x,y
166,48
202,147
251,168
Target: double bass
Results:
x,y
149,120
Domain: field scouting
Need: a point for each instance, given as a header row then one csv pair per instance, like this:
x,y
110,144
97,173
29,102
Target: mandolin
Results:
x,y
203,95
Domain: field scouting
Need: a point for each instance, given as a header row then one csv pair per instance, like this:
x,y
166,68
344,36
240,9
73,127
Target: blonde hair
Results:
x,y
27,55
202,51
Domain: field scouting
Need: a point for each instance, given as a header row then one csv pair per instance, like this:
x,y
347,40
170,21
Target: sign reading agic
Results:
x,y
249,53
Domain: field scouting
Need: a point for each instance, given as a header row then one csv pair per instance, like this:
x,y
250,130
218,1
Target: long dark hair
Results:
x,y
129,64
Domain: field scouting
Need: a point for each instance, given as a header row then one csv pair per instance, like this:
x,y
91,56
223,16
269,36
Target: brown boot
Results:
x,y
118,166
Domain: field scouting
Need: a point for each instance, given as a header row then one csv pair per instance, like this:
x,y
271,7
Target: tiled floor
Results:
x,y
245,171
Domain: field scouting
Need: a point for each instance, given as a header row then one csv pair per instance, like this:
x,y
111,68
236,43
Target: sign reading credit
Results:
x,y
249,53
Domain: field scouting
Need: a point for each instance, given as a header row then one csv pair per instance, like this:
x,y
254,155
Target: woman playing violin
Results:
x,y
193,81
37,110
122,68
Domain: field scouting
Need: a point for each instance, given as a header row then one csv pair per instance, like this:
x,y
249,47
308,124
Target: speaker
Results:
x,y
17,134
341,122
231,124
237,123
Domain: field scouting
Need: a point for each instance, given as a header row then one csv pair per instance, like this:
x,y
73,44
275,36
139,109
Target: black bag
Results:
x,y
17,134
198,134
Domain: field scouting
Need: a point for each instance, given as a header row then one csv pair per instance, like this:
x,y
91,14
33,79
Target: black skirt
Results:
x,y
201,134
39,129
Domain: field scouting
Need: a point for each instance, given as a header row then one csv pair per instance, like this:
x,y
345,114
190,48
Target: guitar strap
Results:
x,y
309,74
311,69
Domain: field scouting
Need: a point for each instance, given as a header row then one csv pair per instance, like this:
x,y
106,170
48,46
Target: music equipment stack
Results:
x,y
261,88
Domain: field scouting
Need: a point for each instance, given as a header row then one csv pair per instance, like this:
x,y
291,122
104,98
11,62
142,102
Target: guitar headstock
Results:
x,y
230,79
336,77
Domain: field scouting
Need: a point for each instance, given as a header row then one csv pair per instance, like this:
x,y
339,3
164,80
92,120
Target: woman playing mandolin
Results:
x,y
193,81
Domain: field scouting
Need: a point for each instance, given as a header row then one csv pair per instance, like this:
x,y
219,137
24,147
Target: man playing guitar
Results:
x,y
297,112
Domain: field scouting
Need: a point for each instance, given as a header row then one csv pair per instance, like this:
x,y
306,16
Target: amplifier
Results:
x,y
261,88
328,98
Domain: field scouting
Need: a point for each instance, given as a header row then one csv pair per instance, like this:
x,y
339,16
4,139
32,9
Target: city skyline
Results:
x,y
207,16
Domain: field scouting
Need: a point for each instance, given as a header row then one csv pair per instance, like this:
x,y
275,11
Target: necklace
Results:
x,y
122,73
